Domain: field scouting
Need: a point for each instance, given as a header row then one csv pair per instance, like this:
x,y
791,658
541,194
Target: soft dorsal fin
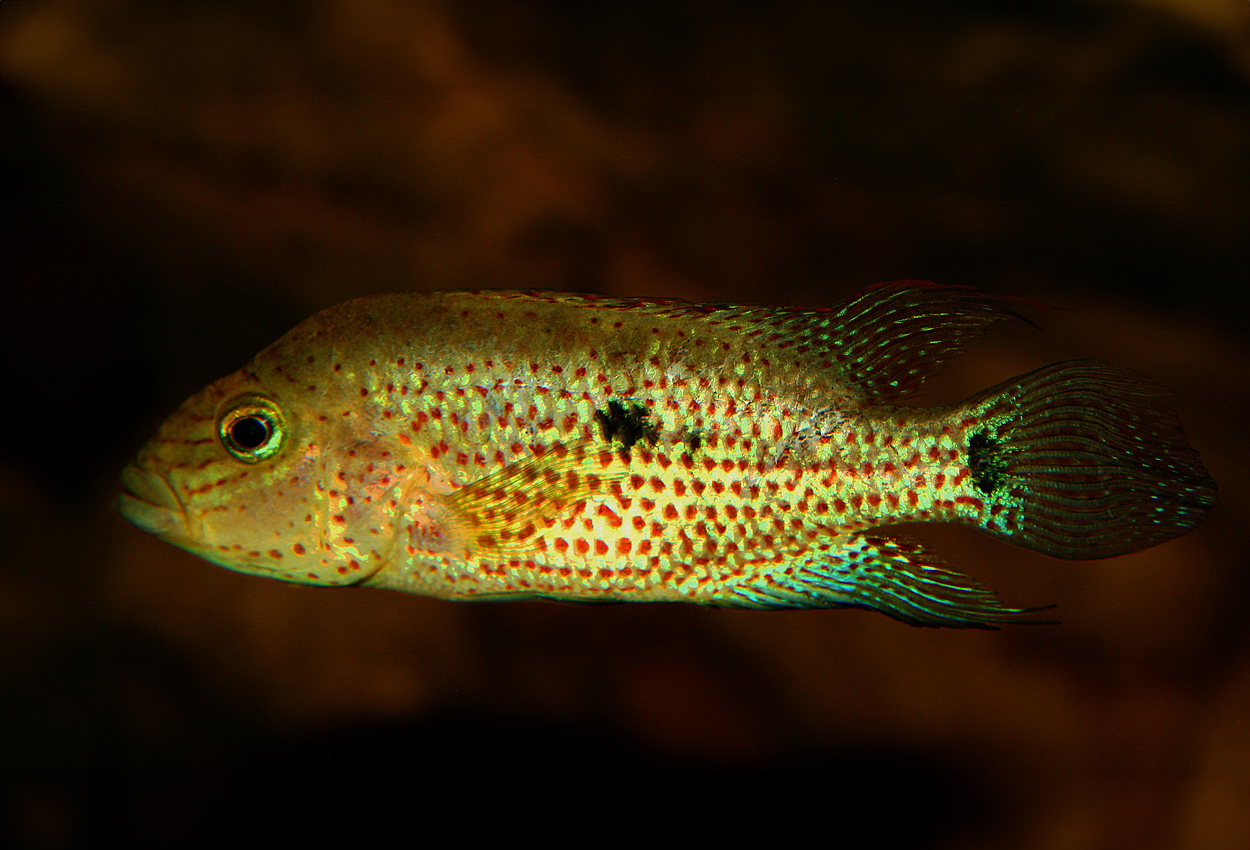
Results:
x,y
892,336
505,510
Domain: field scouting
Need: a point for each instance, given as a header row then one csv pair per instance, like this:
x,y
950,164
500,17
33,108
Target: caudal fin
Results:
x,y
1078,460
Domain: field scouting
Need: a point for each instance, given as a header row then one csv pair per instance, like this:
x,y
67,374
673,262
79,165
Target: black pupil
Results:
x,y
250,432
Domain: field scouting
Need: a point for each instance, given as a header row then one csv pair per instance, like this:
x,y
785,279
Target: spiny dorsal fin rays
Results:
x,y
895,577
507,509
884,341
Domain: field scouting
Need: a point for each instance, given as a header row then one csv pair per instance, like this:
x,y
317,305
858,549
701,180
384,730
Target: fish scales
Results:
x,y
511,445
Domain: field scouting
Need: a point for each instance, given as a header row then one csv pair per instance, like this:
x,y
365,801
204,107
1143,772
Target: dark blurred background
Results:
x,y
184,181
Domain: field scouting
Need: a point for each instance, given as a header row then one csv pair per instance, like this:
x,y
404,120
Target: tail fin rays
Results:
x,y
1078,460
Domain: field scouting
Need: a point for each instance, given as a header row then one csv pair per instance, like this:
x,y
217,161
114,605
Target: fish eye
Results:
x,y
251,432
251,429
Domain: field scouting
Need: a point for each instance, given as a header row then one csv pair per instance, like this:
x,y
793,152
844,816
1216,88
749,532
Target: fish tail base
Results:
x,y
1078,460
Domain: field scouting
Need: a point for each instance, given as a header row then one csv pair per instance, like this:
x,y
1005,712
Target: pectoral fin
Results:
x,y
502,512
896,578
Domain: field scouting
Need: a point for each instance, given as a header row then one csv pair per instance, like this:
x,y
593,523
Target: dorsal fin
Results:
x,y
884,341
892,336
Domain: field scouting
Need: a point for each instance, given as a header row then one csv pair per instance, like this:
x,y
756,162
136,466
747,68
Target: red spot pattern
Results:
x,y
739,493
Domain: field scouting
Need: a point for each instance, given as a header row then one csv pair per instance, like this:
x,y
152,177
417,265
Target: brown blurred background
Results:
x,y
184,181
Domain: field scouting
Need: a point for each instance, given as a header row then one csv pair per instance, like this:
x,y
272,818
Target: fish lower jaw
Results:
x,y
149,502
153,519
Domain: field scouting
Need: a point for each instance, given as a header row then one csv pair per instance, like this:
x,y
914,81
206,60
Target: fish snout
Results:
x,y
150,502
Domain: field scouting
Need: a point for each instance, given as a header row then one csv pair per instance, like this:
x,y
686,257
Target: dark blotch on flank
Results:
x,y
627,425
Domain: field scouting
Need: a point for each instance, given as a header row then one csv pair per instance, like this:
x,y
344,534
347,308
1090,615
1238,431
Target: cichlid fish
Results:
x,y
538,445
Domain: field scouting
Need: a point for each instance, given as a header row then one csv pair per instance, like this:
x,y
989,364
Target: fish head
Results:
x,y
239,475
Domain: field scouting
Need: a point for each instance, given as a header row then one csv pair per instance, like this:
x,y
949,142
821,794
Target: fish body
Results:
x,y
521,445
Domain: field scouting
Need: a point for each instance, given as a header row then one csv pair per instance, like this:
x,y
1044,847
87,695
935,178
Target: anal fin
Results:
x,y
897,578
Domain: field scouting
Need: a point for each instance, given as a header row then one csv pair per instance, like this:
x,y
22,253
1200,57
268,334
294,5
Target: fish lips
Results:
x,y
150,502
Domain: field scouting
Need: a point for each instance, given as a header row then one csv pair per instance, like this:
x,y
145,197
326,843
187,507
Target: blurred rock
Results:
x,y
185,181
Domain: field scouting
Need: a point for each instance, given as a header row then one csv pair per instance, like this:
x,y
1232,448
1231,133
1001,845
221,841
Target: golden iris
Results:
x,y
252,429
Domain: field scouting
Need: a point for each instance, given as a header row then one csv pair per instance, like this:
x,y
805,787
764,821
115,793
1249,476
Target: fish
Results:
x,y
530,445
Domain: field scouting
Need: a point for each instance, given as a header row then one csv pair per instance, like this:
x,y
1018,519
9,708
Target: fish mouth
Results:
x,y
150,502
